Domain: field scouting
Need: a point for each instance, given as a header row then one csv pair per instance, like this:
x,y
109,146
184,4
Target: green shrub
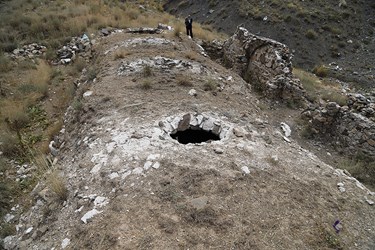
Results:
x,y
311,34
77,105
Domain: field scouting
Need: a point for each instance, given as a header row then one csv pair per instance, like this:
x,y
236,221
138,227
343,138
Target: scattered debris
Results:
x,y
65,243
89,215
285,127
340,186
370,202
193,92
245,170
337,226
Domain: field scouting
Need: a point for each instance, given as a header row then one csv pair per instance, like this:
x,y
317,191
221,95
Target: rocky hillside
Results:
x,y
170,150
336,33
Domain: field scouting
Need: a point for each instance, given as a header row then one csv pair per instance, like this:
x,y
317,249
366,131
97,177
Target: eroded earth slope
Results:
x,y
132,186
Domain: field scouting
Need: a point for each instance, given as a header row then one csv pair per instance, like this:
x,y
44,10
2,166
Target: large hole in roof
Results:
x,y
194,136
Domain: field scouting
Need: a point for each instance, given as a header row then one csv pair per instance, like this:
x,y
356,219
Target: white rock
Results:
x,y
156,165
285,127
65,243
113,175
240,132
286,139
89,215
126,174
137,170
193,92
110,147
147,165
370,202
101,201
245,169
199,119
87,93
79,209
96,168
29,230
8,217
208,124
360,185
9,242
153,157
218,151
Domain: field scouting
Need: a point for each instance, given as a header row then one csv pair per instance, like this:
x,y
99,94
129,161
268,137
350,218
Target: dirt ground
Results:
x,y
250,190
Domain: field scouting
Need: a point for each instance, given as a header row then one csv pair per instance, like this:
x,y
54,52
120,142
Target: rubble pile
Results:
x,y
363,104
29,51
78,45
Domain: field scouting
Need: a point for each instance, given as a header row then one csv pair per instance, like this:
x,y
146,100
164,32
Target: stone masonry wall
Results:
x,y
264,63
351,127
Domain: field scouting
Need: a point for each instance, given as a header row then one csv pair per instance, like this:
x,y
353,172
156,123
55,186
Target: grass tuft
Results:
x,y
146,84
57,185
147,71
320,70
210,85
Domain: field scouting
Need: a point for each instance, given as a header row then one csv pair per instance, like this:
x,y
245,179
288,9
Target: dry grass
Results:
x,y
362,168
317,88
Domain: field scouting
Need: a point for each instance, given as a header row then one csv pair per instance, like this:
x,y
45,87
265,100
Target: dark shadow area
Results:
x,y
194,136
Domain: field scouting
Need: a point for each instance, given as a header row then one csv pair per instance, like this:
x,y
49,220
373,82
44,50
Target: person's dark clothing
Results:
x,y
189,26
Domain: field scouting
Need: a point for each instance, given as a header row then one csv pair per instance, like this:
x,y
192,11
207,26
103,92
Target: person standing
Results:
x,y
189,26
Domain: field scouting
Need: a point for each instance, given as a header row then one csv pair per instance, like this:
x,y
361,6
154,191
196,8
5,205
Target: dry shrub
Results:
x,y
210,85
184,81
178,30
121,54
57,185
311,34
5,64
192,55
320,70
9,144
16,116
41,78
147,71
146,84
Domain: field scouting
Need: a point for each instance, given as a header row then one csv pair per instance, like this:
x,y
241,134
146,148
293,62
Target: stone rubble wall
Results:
x,y
29,51
351,127
264,63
